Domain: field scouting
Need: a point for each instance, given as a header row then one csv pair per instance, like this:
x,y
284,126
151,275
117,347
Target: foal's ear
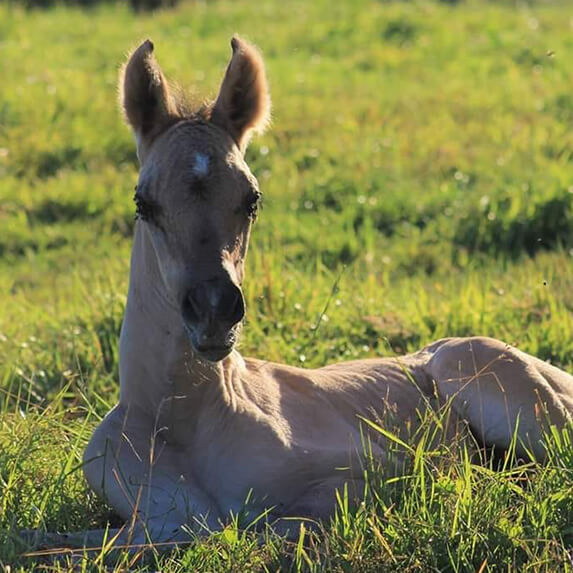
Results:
x,y
144,94
243,104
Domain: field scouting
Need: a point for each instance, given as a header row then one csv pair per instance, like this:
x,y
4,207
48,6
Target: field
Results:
x,y
418,183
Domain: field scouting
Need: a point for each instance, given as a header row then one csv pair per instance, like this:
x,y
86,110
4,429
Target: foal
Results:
x,y
198,428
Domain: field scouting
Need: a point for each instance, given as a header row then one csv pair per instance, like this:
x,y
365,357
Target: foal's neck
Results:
x,y
157,362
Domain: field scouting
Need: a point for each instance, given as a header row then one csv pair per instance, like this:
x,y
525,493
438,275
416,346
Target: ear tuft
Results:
x,y
243,104
144,93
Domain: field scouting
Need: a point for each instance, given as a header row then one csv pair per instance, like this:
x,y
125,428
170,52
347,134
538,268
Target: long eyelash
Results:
x,y
253,203
143,210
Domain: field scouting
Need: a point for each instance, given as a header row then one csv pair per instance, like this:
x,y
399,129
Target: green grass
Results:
x,y
417,183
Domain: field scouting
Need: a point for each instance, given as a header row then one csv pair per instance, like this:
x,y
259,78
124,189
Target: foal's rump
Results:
x,y
500,391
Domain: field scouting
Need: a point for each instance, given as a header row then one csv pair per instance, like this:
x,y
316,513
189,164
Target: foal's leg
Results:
x,y
500,390
316,506
91,538
138,474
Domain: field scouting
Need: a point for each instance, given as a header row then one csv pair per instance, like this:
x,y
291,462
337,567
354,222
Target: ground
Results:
x,y
418,183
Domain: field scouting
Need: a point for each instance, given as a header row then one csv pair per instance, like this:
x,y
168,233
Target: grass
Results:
x,y
417,178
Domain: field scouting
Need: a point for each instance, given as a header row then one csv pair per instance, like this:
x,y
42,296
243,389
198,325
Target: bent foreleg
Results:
x,y
138,475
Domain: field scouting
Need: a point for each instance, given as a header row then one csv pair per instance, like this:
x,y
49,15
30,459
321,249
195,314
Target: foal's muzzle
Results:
x,y
210,311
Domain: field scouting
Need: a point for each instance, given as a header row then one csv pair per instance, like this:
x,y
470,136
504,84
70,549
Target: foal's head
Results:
x,y
196,198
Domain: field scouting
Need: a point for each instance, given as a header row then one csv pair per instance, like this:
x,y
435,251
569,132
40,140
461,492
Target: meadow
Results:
x,y
418,183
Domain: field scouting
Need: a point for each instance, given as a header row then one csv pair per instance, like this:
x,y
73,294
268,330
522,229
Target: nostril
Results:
x,y
192,308
214,302
238,309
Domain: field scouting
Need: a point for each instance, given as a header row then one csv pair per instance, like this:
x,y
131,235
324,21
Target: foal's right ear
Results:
x,y
243,105
145,98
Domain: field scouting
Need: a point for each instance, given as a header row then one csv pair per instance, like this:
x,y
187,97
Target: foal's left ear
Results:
x,y
243,104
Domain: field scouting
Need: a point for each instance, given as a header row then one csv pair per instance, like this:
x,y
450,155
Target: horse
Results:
x,y
199,430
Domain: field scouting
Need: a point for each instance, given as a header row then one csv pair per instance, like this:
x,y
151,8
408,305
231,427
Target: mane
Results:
x,y
187,107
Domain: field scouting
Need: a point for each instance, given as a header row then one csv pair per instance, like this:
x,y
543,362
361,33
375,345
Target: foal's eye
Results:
x,y
144,210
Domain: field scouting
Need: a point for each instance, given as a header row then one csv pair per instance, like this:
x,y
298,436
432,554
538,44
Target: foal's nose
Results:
x,y
215,300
